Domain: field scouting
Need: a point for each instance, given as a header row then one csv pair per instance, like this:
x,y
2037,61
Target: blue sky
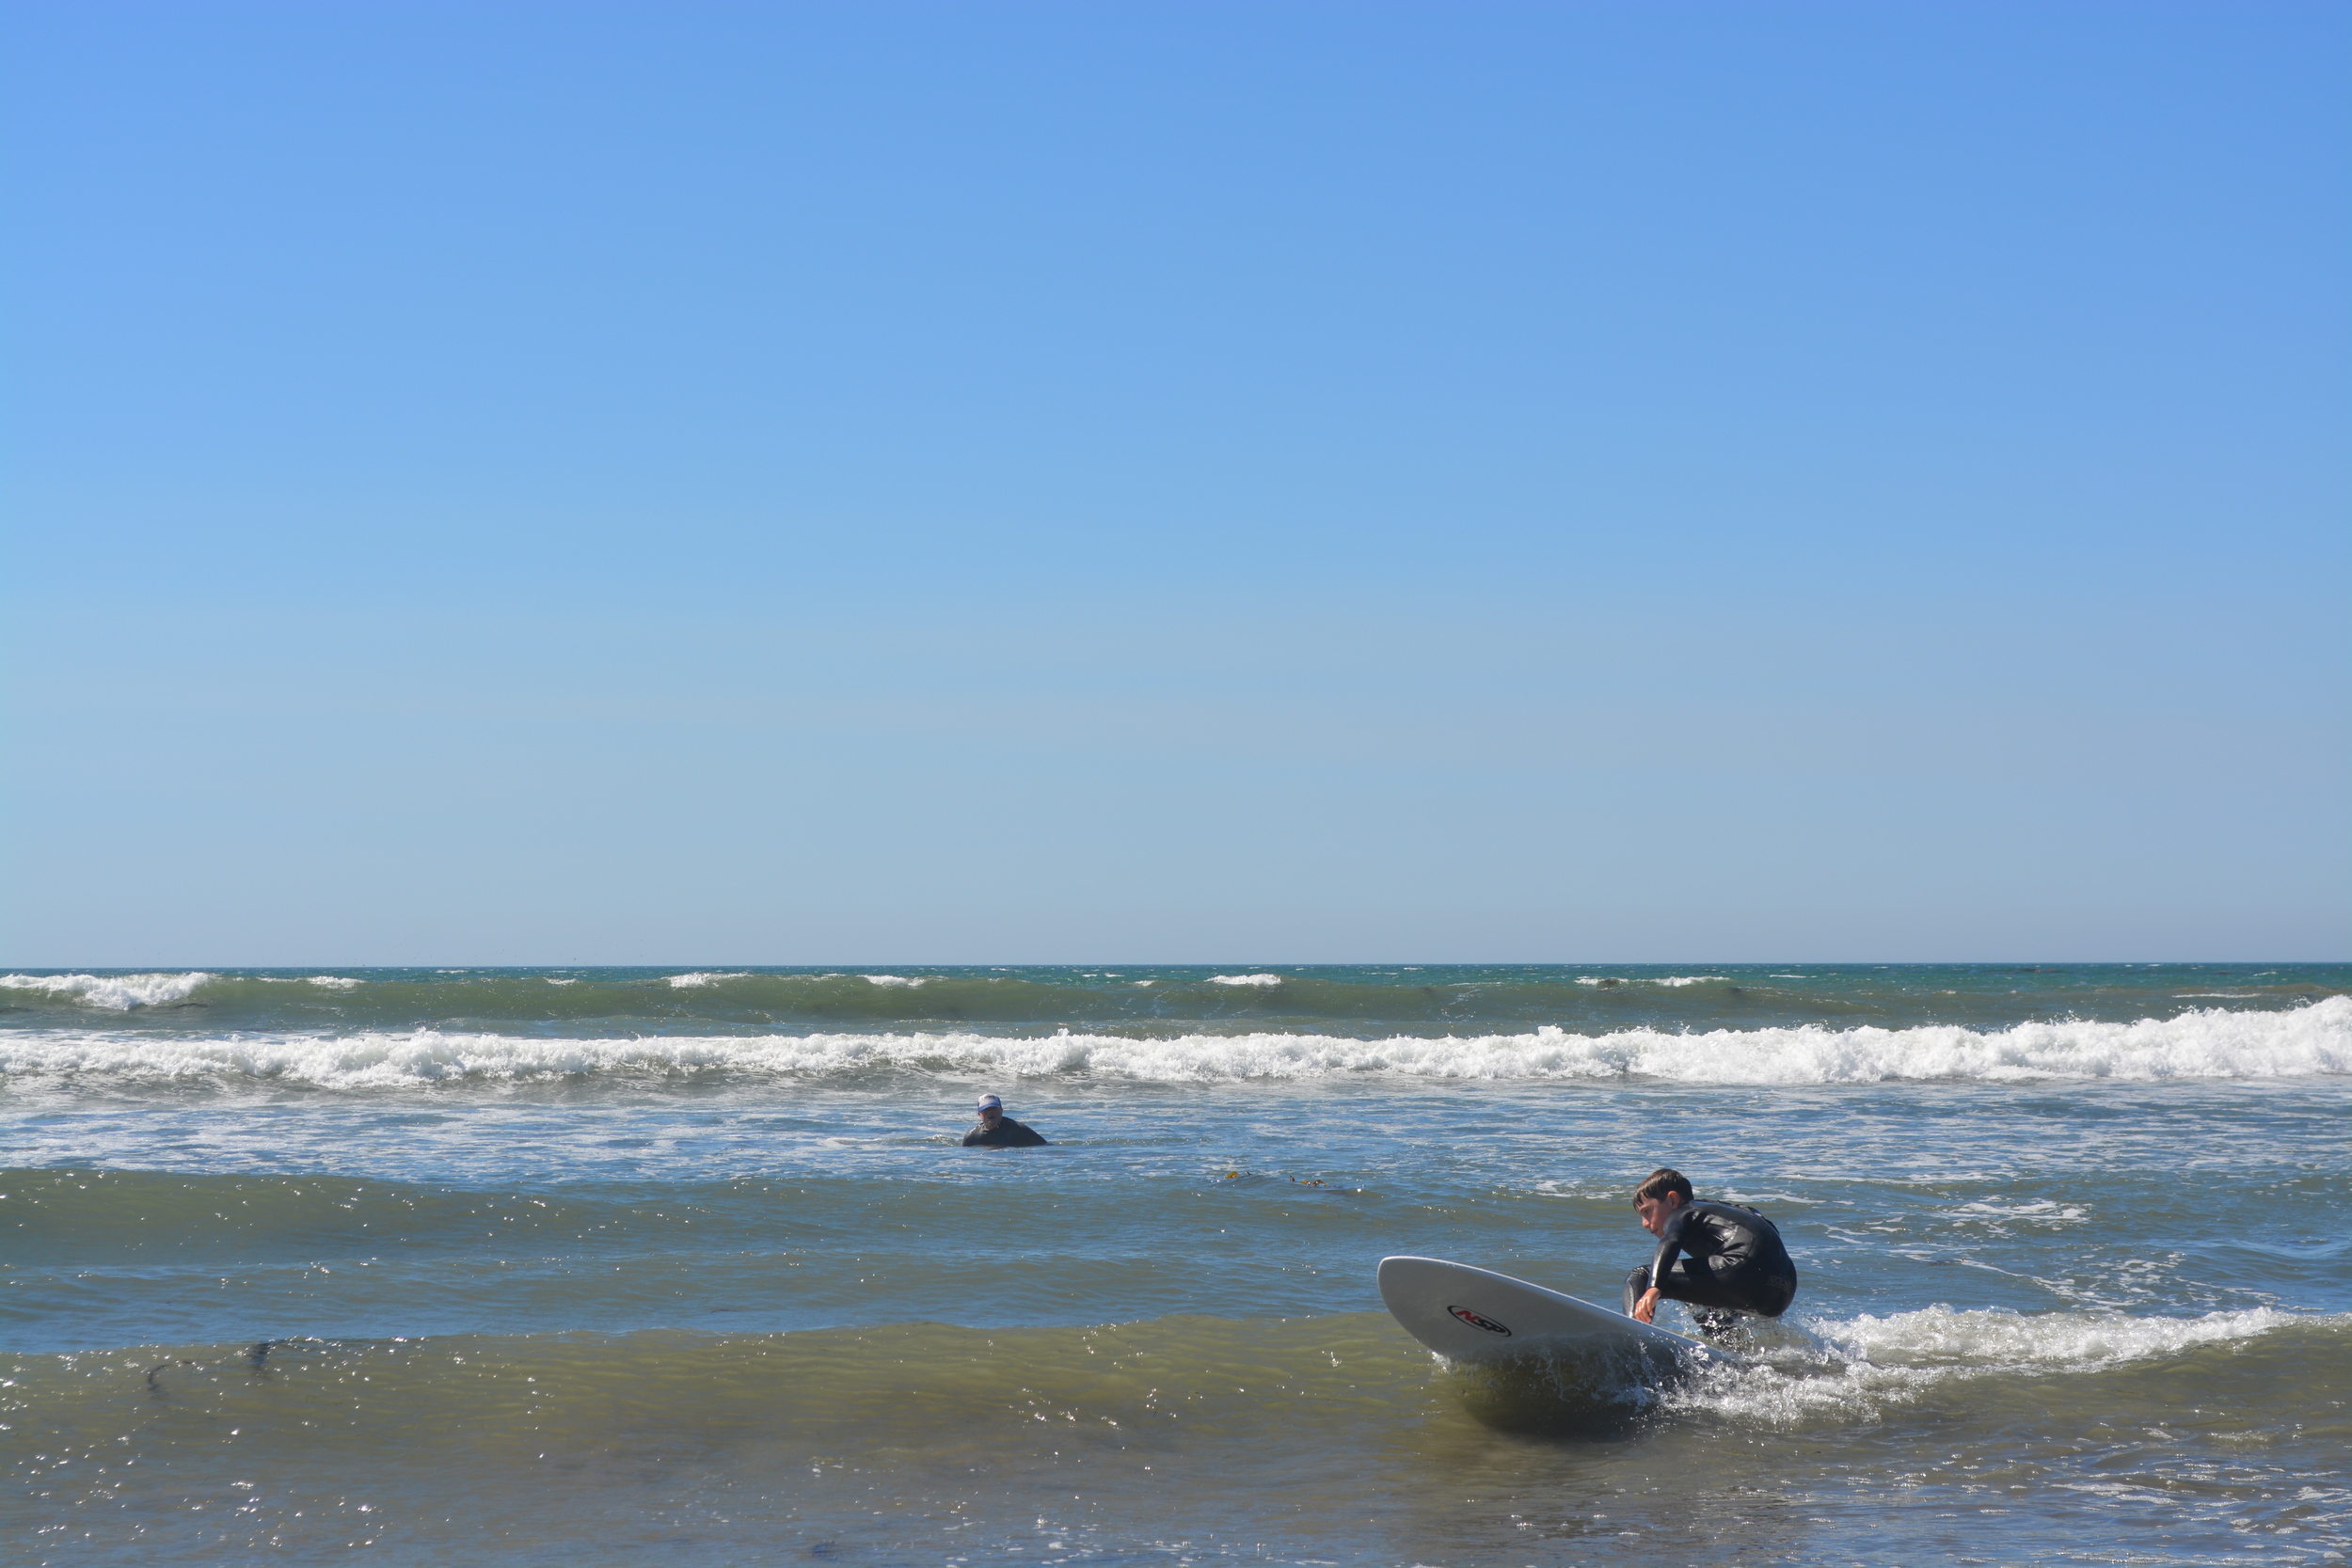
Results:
x,y
504,483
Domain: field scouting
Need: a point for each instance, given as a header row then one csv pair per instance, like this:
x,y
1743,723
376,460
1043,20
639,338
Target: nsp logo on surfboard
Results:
x,y
1479,1320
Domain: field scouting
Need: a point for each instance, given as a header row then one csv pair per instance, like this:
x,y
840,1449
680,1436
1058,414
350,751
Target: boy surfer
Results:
x,y
1735,1263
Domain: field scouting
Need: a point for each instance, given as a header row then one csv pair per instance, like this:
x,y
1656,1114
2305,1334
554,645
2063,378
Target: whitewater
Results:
x,y
2207,1044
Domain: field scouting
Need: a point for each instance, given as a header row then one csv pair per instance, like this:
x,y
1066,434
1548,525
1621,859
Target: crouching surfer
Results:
x,y
1720,1259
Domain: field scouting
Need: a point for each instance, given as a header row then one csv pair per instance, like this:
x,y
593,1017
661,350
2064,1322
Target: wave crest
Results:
x,y
2311,1041
113,992
1844,1368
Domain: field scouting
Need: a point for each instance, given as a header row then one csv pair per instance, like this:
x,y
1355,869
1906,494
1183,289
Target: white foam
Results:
x,y
355,1061
2037,1211
1859,1365
700,978
1244,980
2311,1041
336,982
115,993
1999,1341
894,980
1654,979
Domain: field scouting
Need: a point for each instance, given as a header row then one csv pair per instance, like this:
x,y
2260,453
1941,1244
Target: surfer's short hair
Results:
x,y
1664,1179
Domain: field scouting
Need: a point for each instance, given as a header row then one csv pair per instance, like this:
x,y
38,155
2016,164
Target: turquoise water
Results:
x,y
678,1264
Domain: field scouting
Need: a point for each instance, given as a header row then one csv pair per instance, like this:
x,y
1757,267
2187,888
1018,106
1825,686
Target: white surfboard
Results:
x,y
1473,1315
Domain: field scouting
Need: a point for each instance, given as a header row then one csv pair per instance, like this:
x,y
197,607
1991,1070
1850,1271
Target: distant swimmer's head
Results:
x,y
1661,1192
990,1108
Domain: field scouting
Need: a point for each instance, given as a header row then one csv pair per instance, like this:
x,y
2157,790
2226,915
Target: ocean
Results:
x,y
622,1265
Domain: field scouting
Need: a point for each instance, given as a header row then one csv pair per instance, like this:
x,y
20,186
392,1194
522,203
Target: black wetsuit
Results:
x,y
1007,1133
1735,1264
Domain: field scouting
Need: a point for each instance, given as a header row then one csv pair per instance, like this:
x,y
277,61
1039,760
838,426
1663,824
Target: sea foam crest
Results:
x,y
1849,1367
1669,980
1991,1341
2303,1042
115,993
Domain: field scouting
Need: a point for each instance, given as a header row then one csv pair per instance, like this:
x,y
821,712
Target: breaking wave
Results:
x,y
1845,1367
1672,980
2303,1042
113,993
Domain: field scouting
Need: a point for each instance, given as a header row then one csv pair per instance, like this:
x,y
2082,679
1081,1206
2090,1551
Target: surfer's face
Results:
x,y
1656,1211
990,1113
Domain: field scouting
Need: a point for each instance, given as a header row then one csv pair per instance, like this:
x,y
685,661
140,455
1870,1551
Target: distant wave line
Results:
x,y
2314,1041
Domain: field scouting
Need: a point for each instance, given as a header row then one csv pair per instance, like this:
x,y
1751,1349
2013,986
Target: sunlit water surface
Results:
x,y
698,1272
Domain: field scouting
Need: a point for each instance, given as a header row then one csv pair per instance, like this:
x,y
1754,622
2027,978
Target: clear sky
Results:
x,y
696,483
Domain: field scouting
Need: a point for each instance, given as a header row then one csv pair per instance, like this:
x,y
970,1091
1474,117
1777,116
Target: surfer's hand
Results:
x,y
1646,1307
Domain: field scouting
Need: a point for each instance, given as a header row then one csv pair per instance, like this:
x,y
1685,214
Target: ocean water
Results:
x,y
457,1266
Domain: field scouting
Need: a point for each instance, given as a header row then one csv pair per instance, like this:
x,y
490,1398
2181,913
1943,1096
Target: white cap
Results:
x,y
990,1103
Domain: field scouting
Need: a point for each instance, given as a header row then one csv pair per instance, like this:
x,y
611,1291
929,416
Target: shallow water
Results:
x,y
721,1284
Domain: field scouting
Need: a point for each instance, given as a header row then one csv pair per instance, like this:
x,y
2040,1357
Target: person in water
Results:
x,y
1720,1259
999,1130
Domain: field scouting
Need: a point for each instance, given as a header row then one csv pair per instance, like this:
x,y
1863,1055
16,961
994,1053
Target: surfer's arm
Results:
x,y
1669,1245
